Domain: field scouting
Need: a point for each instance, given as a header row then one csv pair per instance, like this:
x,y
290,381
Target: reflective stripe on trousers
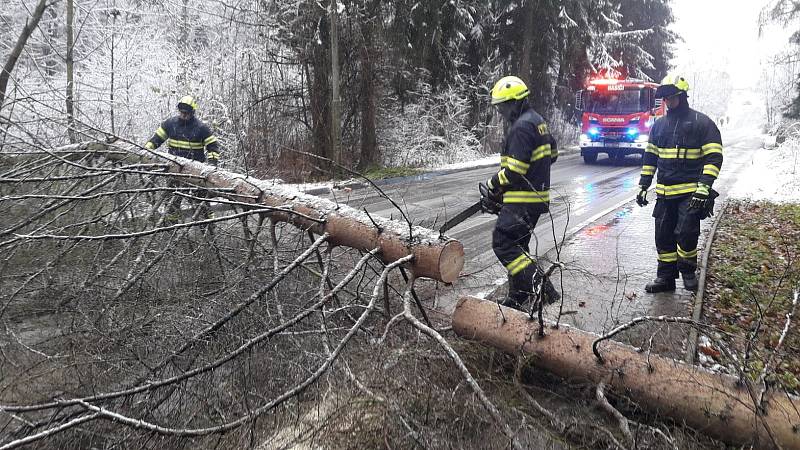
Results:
x,y
677,230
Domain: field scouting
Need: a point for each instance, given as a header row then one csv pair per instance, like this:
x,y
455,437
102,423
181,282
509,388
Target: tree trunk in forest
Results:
x,y
336,113
183,52
370,156
70,74
525,66
715,404
318,93
114,14
11,61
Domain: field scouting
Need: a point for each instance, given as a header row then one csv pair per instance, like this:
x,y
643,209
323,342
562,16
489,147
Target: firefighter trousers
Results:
x,y
511,243
677,231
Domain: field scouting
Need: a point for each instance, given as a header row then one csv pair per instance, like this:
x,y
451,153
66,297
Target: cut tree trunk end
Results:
x,y
712,403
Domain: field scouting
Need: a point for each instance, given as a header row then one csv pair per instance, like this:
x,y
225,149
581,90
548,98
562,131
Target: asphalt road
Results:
x,y
580,193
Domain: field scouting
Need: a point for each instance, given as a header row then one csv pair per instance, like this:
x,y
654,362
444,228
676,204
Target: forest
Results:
x,y
405,83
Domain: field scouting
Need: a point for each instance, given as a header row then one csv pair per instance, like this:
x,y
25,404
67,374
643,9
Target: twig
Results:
x,y
108,237
495,413
622,421
49,432
639,320
762,379
294,391
554,420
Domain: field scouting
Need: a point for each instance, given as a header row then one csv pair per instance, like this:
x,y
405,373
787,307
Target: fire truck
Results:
x,y
616,117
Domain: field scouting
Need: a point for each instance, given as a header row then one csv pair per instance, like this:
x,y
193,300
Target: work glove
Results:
x,y
699,197
213,158
641,197
491,198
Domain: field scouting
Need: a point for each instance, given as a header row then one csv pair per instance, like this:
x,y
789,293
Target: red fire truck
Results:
x,y
616,117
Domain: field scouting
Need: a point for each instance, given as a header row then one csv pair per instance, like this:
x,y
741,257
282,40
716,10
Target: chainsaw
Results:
x,y
488,203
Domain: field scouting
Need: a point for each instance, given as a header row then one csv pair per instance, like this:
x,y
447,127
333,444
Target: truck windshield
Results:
x,y
616,102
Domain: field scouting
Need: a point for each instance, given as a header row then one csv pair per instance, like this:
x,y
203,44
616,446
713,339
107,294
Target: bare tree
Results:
x,y
11,61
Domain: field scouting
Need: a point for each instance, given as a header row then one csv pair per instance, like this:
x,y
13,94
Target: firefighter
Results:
x,y
186,135
521,189
685,148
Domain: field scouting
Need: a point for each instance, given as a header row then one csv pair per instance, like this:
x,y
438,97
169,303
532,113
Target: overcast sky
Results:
x,y
724,32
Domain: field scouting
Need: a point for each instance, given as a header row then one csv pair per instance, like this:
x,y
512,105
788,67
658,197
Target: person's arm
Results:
x,y
649,162
712,154
547,139
553,149
158,138
515,164
212,146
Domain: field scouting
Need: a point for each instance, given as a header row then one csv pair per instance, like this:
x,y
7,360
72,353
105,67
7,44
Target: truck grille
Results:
x,y
613,133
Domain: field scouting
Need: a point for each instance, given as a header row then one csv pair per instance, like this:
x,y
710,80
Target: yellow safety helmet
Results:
x,y
187,103
672,84
509,88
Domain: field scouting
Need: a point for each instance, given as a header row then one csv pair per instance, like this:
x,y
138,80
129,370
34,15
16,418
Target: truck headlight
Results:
x,y
642,138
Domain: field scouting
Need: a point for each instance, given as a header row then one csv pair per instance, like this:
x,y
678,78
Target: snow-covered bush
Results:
x,y
565,132
429,132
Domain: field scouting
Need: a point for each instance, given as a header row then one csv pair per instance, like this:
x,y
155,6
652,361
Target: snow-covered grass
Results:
x,y
774,175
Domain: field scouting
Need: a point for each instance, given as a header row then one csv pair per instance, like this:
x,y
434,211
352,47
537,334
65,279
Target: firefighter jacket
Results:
x,y
528,151
186,138
685,148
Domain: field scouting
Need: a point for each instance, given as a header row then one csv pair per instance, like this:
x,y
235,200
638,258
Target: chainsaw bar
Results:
x,y
460,217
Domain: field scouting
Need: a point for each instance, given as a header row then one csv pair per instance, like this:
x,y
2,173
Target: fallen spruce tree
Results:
x,y
716,404
434,256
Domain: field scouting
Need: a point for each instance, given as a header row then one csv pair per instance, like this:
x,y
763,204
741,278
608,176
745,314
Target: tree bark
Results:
x,y
370,156
710,402
70,74
336,113
11,61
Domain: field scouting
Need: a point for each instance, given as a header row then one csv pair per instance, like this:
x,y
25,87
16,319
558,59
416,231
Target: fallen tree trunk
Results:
x,y
435,257
712,403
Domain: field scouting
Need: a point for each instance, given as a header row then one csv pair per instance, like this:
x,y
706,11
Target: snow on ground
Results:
x,y
323,186
774,175
487,161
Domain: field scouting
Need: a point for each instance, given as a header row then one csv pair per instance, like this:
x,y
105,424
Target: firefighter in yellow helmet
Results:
x,y
520,191
685,148
186,135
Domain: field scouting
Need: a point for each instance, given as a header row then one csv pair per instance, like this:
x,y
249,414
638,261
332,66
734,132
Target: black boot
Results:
x,y
514,302
519,289
689,281
660,285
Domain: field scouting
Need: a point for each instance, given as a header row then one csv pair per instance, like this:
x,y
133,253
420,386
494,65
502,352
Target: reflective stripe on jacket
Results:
x,y
528,151
685,148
